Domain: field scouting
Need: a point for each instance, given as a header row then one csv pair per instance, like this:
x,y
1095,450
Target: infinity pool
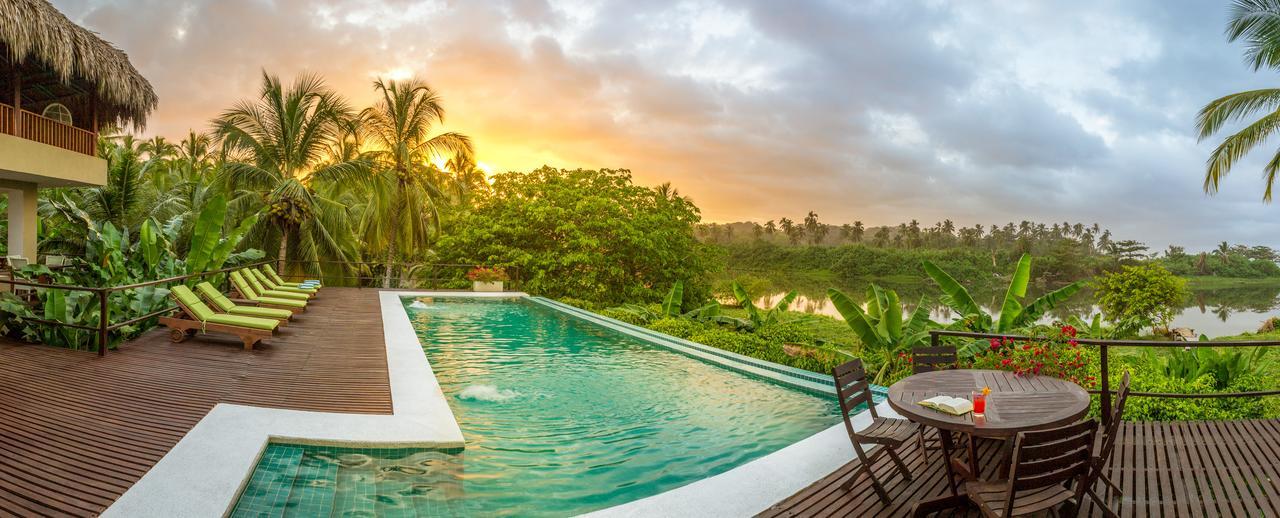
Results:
x,y
561,416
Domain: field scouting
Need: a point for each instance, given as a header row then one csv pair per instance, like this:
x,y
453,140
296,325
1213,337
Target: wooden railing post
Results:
x,y
104,321
1106,386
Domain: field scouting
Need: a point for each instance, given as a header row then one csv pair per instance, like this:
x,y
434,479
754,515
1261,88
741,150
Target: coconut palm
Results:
x,y
1257,23
275,147
408,191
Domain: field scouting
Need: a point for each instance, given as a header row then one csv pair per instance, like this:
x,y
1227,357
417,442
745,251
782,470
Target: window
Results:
x,y
58,112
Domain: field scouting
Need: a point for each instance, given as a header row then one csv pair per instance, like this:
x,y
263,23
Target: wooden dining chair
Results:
x,y
929,359
1046,466
1108,444
852,390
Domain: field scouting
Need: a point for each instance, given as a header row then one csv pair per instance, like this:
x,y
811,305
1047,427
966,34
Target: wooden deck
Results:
x,y
77,430
1219,468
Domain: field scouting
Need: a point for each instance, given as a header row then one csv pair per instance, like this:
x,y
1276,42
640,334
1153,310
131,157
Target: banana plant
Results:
x,y
762,317
881,327
671,308
1013,314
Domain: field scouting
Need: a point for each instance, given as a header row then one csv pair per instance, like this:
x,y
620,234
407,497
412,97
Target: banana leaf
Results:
x,y
1046,302
856,319
954,295
1011,310
675,298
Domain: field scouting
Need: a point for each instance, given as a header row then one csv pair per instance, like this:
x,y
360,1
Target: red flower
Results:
x,y
1005,362
1068,331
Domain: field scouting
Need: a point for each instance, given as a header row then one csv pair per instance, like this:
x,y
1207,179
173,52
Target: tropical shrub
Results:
x,y
884,333
1140,296
1225,367
760,318
1147,377
1058,354
1013,315
589,234
113,258
816,360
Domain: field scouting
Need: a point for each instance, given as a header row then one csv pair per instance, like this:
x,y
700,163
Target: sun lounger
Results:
x,y
246,292
275,277
217,300
257,286
270,285
196,316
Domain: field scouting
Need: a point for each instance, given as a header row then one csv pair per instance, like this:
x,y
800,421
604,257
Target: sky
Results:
x,y
875,111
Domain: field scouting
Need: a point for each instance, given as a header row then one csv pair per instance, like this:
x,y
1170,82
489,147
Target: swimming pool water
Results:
x,y
561,416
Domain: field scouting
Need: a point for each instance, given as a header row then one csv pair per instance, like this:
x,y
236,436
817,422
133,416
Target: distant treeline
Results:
x,y
1063,251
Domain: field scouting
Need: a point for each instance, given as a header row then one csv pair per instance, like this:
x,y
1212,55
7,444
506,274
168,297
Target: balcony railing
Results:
x,y
32,126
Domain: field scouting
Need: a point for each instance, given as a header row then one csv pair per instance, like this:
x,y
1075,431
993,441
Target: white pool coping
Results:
x,y
203,474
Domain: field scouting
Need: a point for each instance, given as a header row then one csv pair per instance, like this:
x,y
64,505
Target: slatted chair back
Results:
x,y
1117,416
852,389
933,358
1052,457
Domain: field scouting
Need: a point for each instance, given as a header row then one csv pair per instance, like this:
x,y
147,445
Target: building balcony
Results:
x,y
35,127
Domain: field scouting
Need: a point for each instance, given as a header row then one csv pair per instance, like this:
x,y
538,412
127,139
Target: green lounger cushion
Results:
x,y
257,287
223,303
266,324
202,312
275,277
288,303
262,279
248,291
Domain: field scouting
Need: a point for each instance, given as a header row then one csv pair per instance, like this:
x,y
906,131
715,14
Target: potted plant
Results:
x,y
487,279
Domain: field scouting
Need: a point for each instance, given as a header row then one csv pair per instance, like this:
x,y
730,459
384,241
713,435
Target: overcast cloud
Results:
x,y
879,111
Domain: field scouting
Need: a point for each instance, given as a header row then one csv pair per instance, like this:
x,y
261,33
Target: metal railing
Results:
x,y
104,326
1104,346
366,274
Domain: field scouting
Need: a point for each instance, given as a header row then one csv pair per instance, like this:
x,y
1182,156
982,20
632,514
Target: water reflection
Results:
x,y
1214,312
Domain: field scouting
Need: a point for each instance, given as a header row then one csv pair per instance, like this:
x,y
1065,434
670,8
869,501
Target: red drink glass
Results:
x,y
979,404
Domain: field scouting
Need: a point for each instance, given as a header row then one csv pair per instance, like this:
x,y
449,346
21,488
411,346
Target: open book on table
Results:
x,y
948,404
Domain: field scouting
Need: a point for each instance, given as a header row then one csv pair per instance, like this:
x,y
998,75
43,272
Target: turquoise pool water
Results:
x,y
561,416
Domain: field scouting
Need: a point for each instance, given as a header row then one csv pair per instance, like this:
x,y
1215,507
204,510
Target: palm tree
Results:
x,y
408,193
1257,22
275,146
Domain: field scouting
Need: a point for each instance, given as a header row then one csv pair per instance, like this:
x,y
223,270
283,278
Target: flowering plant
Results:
x,y
1058,355
482,274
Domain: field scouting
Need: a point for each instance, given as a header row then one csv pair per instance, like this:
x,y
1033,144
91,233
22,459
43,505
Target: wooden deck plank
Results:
x,y
77,430
1223,468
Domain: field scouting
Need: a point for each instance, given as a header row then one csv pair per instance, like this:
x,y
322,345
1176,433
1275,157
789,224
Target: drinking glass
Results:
x,y
979,404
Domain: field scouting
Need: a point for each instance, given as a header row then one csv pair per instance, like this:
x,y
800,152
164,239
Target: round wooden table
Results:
x,y
1015,404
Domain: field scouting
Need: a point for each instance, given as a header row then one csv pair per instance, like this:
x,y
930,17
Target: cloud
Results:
x,y
880,111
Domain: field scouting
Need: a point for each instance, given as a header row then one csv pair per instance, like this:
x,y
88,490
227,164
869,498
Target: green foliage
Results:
x,y
1149,377
757,317
757,347
590,234
1140,296
1225,367
1013,315
881,327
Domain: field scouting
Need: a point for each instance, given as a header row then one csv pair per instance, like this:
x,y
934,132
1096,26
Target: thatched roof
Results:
x,y
34,30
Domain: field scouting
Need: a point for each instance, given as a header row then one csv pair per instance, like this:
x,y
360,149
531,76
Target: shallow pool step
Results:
x,y
267,494
314,488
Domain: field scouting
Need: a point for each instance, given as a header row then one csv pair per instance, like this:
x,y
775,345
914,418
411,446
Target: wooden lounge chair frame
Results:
x,y
214,306
252,298
267,283
181,329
